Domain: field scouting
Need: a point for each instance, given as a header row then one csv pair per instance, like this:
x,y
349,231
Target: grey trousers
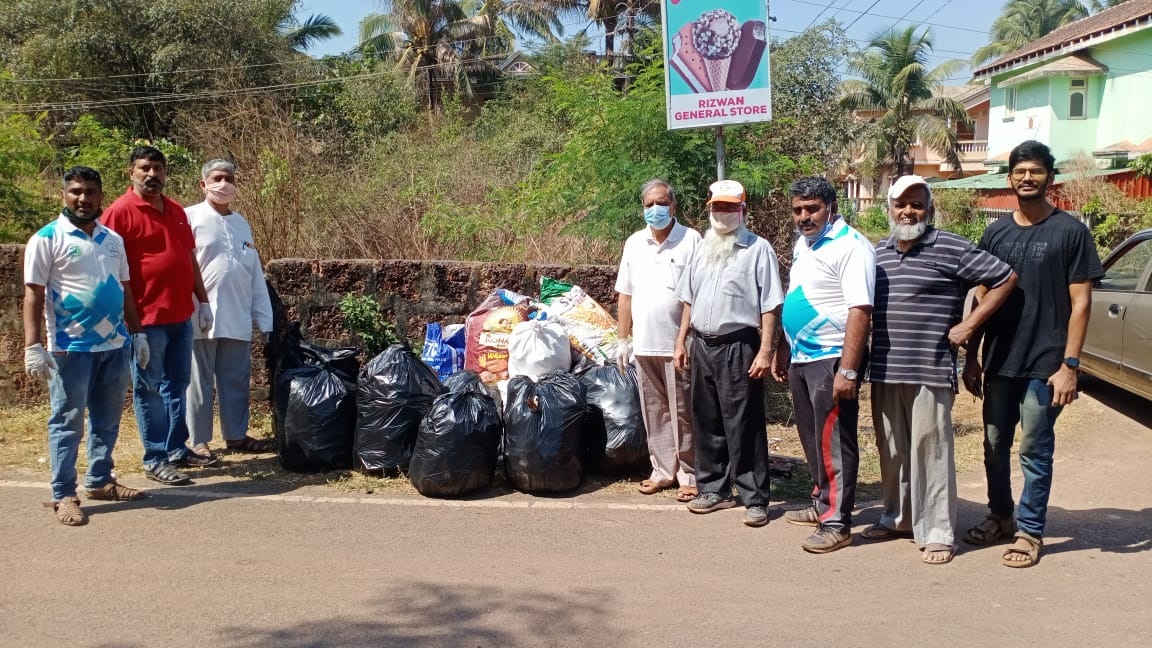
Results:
x,y
728,420
665,402
227,364
915,438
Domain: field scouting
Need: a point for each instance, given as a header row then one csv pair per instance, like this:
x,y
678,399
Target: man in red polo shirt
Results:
x,y
170,298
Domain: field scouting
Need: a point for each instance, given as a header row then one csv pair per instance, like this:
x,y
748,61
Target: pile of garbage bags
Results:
x,y
527,384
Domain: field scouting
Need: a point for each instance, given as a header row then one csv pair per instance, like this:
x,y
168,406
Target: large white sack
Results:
x,y
537,348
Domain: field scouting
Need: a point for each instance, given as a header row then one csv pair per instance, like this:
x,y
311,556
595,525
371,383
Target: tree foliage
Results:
x,y
897,84
1024,21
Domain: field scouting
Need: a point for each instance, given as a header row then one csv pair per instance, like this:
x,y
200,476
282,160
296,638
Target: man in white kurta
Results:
x,y
649,313
234,279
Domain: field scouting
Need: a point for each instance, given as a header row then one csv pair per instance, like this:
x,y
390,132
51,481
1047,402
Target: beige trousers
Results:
x,y
915,439
666,403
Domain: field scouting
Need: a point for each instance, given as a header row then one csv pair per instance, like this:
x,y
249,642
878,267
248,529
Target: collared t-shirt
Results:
x,y
82,277
734,294
826,279
1025,337
233,278
159,249
919,297
649,272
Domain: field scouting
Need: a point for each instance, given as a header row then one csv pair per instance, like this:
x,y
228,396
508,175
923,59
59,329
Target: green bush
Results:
x,y
364,319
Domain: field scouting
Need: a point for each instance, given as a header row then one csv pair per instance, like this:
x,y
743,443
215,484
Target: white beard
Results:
x,y
907,232
718,248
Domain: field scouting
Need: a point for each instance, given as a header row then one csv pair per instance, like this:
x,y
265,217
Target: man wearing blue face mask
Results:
x,y
649,315
826,317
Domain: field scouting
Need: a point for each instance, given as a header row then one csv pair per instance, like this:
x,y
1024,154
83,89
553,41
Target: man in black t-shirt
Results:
x,y
1031,350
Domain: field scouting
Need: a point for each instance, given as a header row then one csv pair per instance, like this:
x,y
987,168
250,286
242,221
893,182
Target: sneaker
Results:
x,y
803,517
166,474
193,460
708,502
115,492
826,540
755,516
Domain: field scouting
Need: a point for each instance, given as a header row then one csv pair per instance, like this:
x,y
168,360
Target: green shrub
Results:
x,y
364,319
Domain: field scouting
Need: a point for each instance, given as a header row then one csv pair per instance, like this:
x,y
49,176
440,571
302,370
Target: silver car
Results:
x,y
1118,347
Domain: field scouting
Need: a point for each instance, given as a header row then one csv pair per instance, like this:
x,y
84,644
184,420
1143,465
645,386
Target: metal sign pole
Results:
x,y
721,159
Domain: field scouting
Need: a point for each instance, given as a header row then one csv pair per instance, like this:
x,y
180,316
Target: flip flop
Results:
x,y
1031,554
935,549
687,493
880,532
649,487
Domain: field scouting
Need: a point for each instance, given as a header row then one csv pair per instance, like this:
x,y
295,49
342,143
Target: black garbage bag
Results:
x,y
613,430
456,449
465,380
542,432
394,392
314,404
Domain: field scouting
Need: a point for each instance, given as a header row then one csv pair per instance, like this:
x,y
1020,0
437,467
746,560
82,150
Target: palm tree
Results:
x,y
303,35
432,40
896,83
1024,21
1096,6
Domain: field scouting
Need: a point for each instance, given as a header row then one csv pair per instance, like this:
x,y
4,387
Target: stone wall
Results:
x,y
411,292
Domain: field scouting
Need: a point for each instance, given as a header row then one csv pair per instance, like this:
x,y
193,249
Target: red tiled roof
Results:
x,y
1131,13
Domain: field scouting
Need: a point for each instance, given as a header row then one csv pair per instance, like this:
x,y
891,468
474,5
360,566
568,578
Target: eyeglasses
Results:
x,y
1037,174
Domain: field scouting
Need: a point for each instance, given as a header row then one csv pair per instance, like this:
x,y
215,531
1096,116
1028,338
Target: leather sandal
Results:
x,y
649,487
687,493
1019,558
993,529
68,511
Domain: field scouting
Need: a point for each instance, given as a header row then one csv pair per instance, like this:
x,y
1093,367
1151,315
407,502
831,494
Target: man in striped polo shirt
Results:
x,y
922,278
825,321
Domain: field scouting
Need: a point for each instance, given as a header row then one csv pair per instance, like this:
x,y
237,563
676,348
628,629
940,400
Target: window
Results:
x,y
1126,270
1078,98
1009,101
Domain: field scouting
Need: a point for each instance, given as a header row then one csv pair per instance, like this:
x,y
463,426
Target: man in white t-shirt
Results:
x,y
76,291
234,280
649,314
827,313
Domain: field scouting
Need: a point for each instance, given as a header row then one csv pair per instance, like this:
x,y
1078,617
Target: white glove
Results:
x,y
623,354
141,349
204,316
38,362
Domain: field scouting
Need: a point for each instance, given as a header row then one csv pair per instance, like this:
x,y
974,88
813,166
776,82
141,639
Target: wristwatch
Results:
x,y
847,373
1072,363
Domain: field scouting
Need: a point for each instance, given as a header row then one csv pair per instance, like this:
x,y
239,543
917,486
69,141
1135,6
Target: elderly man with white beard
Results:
x,y
825,321
731,295
922,278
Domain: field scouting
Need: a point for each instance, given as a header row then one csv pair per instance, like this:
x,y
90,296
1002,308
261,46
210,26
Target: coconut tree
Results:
x,y
1096,6
896,84
432,40
1024,21
301,36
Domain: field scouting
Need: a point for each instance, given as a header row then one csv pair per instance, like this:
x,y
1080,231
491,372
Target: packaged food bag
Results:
x,y
487,331
591,329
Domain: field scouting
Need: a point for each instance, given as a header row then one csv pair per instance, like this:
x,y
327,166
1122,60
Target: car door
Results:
x,y
1136,363
1111,298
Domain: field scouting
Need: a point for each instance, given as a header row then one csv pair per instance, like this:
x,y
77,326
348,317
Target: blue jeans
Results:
x,y
92,381
1028,401
158,393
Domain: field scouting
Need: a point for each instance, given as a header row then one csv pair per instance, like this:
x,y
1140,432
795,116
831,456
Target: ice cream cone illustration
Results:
x,y
716,35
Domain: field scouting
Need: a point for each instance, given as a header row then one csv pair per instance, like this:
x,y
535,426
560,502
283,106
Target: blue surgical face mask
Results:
x,y
658,216
812,240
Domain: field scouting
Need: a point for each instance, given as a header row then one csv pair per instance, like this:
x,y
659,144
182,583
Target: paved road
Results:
x,y
234,564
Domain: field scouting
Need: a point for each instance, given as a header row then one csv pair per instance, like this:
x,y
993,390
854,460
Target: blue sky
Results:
x,y
958,27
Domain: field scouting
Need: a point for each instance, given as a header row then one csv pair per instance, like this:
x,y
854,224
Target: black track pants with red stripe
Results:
x,y
828,433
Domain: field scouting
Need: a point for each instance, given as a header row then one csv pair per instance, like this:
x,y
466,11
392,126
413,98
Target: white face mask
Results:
x,y
221,193
724,222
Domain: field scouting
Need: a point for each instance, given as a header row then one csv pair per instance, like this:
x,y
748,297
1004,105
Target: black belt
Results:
x,y
746,334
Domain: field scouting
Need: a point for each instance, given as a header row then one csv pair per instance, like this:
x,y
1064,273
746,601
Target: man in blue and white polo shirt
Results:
x,y
826,318
76,281
922,278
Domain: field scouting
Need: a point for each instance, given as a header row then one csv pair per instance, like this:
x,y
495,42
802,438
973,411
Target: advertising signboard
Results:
x,y
716,62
